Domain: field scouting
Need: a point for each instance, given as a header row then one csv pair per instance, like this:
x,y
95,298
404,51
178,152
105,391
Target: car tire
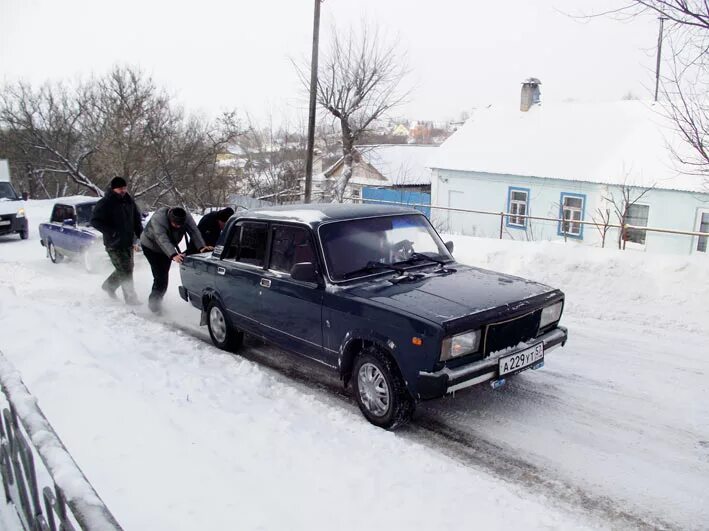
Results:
x,y
380,390
223,335
53,254
24,234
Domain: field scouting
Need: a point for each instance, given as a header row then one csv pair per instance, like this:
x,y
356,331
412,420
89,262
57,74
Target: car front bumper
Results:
x,y
436,384
10,223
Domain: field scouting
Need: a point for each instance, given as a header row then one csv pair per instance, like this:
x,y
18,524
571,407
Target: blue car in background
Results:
x,y
70,235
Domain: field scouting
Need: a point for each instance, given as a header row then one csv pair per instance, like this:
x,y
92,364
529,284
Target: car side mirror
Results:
x,y
68,222
304,272
449,246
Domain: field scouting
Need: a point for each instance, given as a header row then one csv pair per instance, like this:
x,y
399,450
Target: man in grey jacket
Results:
x,y
160,241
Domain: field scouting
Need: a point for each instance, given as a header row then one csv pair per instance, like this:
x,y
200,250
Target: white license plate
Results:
x,y
5,222
521,360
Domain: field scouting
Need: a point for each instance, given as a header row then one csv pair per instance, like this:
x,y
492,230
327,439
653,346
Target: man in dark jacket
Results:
x,y
118,218
211,226
160,240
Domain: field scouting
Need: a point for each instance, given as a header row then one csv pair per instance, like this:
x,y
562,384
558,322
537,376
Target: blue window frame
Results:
x,y
517,206
572,209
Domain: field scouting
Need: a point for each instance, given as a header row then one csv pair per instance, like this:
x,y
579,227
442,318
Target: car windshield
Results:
x,y
7,191
83,213
353,247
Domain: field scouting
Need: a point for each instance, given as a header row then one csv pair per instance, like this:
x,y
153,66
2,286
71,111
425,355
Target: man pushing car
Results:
x,y
160,241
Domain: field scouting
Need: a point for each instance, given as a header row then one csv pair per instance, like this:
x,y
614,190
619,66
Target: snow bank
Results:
x,y
657,291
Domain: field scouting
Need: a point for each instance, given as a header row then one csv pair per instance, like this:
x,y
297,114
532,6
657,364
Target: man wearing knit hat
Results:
x,y
160,241
118,218
210,227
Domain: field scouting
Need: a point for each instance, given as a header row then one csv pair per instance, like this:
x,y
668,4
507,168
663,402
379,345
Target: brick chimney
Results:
x,y
530,93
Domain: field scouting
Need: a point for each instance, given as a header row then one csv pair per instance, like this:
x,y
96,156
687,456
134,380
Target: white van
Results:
x,y
12,207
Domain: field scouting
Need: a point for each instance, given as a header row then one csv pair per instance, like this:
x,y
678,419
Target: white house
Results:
x,y
571,161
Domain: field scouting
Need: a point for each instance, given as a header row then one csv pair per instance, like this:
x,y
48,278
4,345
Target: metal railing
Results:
x,y
503,215
70,500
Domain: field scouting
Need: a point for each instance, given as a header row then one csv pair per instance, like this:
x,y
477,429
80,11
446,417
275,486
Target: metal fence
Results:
x,y
623,231
67,501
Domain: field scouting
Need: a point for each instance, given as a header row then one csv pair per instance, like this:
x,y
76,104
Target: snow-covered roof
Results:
x,y
400,164
235,149
624,142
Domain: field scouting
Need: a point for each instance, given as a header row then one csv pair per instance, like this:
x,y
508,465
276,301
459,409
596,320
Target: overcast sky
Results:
x,y
214,55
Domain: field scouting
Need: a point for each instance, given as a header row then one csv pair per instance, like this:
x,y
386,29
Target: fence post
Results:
x,y
502,222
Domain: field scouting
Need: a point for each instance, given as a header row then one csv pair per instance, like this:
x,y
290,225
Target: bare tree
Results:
x,y
622,200
276,162
602,221
49,121
358,82
686,87
76,140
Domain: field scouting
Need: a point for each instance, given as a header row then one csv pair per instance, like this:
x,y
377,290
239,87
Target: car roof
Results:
x,y
315,214
75,200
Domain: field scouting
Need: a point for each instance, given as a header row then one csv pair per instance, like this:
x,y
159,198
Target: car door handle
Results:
x,y
221,270
265,283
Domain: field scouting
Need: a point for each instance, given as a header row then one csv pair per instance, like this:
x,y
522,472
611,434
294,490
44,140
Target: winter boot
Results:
x,y
109,290
155,306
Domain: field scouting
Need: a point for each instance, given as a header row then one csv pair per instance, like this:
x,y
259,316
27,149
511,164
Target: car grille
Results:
x,y
7,217
509,333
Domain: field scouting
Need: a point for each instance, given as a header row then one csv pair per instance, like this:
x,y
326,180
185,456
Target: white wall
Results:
x,y
483,191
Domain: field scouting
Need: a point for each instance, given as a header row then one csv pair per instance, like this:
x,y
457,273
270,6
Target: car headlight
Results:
x,y
550,314
21,213
460,345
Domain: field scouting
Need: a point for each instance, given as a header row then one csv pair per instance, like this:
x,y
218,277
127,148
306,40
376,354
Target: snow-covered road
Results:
x,y
174,434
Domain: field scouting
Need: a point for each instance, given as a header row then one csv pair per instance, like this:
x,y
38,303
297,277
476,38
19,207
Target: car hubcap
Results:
x,y
52,252
373,389
217,324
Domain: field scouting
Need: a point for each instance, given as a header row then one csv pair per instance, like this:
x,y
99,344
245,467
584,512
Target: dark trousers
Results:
x,y
122,260
160,266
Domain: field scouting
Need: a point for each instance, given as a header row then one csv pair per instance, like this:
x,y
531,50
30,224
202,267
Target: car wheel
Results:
x,y
223,335
380,390
53,254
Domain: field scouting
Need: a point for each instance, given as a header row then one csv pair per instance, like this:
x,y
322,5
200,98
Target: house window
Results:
x,y
572,210
703,227
517,206
636,215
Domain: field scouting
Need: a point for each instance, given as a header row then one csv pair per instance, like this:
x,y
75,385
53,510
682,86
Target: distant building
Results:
x,y
400,166
233,156
400,130
565,161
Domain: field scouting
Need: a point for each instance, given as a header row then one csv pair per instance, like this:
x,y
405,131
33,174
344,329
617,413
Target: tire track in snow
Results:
x,y
436,431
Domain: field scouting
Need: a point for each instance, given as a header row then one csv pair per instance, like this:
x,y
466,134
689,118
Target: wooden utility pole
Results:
x,y
313,91
659,57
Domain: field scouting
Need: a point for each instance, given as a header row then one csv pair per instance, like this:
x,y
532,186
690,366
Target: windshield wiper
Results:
x,y
371,267
418,257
